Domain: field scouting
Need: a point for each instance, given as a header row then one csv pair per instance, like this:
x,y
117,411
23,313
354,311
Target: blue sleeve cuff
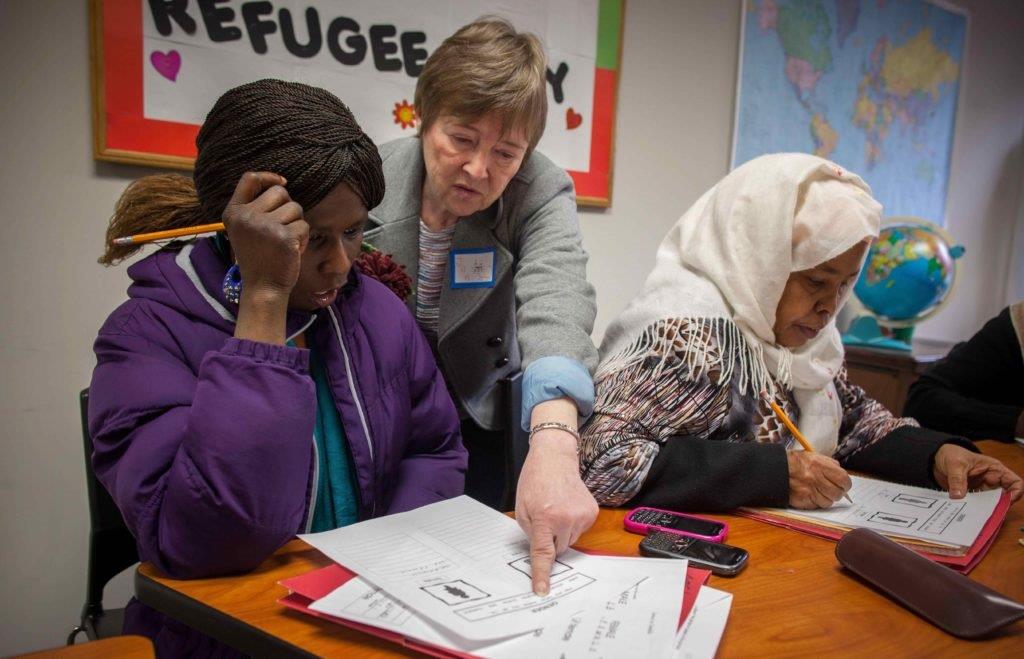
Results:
x,y
549,378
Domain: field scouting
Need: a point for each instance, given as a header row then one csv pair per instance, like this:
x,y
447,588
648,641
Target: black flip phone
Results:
x,y
723,560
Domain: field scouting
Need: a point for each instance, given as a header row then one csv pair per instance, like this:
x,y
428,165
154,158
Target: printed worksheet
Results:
x,y
701,632
466,567
910,512
633,622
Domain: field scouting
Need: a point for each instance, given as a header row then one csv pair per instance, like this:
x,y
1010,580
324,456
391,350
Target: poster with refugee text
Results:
x,y
159,65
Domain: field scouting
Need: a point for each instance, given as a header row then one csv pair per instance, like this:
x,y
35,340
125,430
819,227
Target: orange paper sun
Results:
x,y
405,114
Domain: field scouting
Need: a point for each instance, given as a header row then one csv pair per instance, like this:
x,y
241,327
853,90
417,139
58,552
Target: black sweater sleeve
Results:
x,y
718,476
905,455
715,476
978,389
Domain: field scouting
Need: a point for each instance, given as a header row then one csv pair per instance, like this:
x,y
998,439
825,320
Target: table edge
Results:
x,y
214,623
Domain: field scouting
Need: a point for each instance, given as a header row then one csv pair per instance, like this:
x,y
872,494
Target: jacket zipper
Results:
x,y
316,456
355,395
314,490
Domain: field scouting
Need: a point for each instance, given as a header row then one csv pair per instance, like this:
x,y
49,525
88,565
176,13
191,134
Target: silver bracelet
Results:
x,y
555,425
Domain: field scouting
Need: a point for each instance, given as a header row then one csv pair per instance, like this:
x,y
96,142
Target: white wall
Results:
x,y
1015,276
678,71
988,167
56,202
672,136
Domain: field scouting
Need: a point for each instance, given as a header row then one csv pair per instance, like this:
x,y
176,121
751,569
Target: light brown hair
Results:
x,y
486,66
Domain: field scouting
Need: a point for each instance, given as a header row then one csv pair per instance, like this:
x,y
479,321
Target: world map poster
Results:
x,y
871,85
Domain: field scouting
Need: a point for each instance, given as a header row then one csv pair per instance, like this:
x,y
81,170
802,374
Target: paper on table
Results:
x,y
466,567
637,621
909,512
701,632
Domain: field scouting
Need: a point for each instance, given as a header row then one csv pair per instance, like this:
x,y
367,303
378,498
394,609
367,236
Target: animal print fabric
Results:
x,y
662,398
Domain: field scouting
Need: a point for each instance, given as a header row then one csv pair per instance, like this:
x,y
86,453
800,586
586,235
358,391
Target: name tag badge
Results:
x,y
472,268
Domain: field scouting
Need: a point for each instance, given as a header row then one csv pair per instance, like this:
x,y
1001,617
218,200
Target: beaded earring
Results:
x,y
232,285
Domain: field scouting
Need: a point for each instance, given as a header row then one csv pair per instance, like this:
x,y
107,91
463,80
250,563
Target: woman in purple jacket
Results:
x,y
258,386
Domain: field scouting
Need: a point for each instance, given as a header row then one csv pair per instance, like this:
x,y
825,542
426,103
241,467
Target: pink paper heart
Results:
x,y
166,64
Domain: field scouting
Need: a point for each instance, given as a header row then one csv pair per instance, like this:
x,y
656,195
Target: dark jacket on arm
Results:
x,y
978,389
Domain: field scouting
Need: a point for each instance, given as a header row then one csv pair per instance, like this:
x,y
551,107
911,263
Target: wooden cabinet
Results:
x,y
886,375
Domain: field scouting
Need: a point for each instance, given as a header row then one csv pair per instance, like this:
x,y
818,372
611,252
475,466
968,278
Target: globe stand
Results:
x,y
865,331
904,334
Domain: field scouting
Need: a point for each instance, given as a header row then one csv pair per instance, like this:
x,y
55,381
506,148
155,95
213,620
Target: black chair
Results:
x,y
111,548
517,440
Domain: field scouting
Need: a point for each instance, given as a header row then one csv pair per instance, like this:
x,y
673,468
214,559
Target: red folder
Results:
x,y
964,563
307,588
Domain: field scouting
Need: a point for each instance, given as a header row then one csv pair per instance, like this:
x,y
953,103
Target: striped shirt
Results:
x,y
434,248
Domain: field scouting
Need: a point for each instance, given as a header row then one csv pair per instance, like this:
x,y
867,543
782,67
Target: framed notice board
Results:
x,y
159,65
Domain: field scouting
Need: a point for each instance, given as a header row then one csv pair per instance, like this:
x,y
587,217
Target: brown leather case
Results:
x,y
948,600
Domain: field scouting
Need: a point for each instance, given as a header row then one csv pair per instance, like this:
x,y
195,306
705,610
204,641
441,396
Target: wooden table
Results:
x,y
124,647
792,600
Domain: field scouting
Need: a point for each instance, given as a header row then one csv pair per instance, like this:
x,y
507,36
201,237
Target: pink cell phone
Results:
x,y
642,520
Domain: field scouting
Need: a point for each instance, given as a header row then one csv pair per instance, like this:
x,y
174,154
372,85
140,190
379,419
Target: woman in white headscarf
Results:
x,y
737,313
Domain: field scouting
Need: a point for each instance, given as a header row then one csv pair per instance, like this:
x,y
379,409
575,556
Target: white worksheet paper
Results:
x,y
465,567
911,512
623,626
701,632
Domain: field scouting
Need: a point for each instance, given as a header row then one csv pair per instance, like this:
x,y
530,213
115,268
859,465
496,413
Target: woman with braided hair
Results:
x,y
255,385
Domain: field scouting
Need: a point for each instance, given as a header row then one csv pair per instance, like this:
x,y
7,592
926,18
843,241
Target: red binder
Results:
x,y
307,588
963,563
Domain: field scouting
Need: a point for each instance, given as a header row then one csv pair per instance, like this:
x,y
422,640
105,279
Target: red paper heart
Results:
x,y
166,64
572,119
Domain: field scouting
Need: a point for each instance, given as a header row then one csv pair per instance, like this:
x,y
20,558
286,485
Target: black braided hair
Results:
x,y
303,133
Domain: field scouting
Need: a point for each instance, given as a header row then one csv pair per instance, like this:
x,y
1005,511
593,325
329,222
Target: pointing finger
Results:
x,y
957,479
542,556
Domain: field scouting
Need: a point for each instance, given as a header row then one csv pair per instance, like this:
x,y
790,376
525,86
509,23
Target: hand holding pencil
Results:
x,y
815,480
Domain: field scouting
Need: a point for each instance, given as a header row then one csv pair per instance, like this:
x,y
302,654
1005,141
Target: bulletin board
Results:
x,y
159,65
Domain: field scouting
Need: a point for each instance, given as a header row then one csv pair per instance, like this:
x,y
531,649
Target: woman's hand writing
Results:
x,y
815,481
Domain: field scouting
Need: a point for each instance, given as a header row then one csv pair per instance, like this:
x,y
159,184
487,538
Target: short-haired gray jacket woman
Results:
x,y
487,229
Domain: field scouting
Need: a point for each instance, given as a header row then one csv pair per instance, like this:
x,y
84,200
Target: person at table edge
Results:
x,y
737,314
977,390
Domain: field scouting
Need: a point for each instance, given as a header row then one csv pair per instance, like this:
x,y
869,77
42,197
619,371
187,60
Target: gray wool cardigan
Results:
x,y
541,304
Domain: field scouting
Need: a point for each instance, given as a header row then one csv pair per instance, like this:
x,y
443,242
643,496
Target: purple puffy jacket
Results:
x,y
206,441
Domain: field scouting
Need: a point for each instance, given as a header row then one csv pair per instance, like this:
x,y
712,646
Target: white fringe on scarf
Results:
x,y
691,339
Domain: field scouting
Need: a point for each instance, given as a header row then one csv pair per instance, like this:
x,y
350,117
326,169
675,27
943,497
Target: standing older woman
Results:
x,y
255,385
487,229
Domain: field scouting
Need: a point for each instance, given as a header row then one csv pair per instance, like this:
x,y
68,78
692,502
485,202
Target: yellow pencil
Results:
x,y
786,421
140,238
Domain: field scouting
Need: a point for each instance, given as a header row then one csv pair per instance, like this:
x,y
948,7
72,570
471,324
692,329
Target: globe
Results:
x,y
909,274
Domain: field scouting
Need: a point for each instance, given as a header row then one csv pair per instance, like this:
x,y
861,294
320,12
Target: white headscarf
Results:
x,y
724,266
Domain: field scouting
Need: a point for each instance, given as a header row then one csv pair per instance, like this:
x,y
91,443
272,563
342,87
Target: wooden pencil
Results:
x,y
786,421
141,238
